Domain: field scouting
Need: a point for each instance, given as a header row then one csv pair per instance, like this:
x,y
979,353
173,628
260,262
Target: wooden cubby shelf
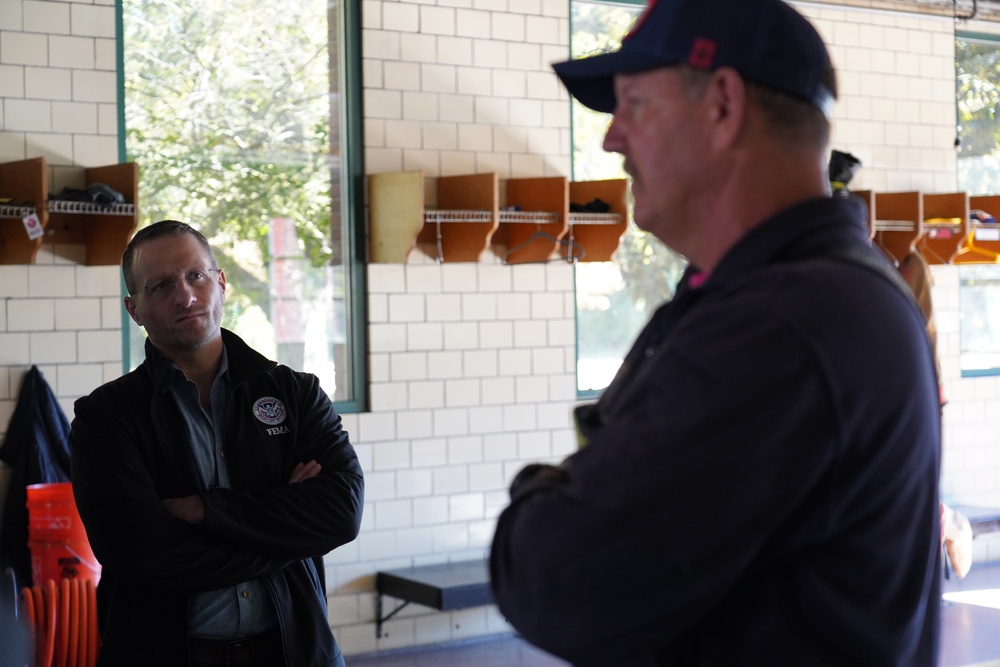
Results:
x,y
945,226
458,228
982,246
103,230
935,225
466,218
534,221
549,228
897,223
24,184
599,234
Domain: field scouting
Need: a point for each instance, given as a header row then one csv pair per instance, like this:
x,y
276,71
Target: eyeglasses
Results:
x,y
196,279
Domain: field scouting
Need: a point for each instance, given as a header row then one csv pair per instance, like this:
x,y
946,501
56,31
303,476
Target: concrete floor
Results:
x,y
969,636
509,651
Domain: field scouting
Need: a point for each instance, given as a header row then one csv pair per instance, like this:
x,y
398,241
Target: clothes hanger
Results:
x,y
925,249
885,250
572,245
970,253
896,238
902,248
539,235
545,236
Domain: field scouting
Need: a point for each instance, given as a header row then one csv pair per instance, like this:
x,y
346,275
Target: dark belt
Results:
x,y
263,650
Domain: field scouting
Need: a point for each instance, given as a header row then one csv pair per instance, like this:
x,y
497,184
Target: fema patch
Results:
x,y
269,410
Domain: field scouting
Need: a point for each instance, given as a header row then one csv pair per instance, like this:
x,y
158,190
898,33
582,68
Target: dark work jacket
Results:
x,y
760,483
130,451
36,447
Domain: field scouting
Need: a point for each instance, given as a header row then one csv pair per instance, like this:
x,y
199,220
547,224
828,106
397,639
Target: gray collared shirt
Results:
x,y
247,608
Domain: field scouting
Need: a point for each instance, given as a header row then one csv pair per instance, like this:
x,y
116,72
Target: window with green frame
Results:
x,y
977,73
244,118
615,299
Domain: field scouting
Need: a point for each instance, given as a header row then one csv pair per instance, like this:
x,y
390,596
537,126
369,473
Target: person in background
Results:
x,y
211,482
759,483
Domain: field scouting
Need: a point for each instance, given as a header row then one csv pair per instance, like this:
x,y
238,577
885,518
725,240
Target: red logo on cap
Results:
x,y
702,53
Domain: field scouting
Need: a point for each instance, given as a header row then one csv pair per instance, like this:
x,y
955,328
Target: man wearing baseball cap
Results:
x,y
759,484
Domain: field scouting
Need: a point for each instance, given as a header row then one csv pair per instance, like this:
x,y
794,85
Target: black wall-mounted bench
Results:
x,y
982,519
442,586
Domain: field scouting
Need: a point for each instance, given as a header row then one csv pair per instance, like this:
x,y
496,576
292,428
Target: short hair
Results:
x,y
155,231
794,121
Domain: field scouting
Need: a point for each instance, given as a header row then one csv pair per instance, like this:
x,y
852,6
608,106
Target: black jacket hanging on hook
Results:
x,y
36,447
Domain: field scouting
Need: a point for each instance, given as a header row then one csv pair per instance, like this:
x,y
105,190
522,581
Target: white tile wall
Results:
x,y
467,418
471,365
897,81
58,99
475,102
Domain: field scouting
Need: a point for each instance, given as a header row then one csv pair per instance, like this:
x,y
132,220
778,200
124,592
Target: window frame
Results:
x,y
352,150
353,123
994,40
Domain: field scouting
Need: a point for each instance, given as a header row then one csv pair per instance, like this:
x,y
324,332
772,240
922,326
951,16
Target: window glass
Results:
x,y
615,299
979,304
977,64
234,114
977,70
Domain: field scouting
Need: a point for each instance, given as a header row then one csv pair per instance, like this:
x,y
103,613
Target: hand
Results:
x,y
188,508
304,471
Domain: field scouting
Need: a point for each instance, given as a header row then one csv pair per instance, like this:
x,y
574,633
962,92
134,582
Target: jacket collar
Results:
x,y
808,228
244,362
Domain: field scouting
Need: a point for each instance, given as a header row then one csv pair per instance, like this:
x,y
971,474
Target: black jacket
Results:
x,y
759,486
36,448
130,451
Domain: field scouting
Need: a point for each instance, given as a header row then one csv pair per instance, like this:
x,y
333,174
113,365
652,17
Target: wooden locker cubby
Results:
x,y
459,227
465,218
103,230
534,221
396,214
23,182
939,242
598,234
983,243
898,223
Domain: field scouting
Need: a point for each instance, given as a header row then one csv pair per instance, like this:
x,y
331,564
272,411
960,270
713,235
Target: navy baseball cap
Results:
x,y
766,41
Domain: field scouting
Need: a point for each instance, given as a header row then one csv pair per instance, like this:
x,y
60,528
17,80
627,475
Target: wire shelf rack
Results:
x,y
62,206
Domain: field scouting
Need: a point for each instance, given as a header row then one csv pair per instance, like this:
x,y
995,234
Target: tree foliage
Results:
x,y
978,69
227,113
977,65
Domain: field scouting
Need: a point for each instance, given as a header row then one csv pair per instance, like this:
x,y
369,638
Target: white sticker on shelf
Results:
x,y
32,225
992,234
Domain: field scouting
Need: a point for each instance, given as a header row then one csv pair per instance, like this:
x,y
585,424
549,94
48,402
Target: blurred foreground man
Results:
x,y
759,484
